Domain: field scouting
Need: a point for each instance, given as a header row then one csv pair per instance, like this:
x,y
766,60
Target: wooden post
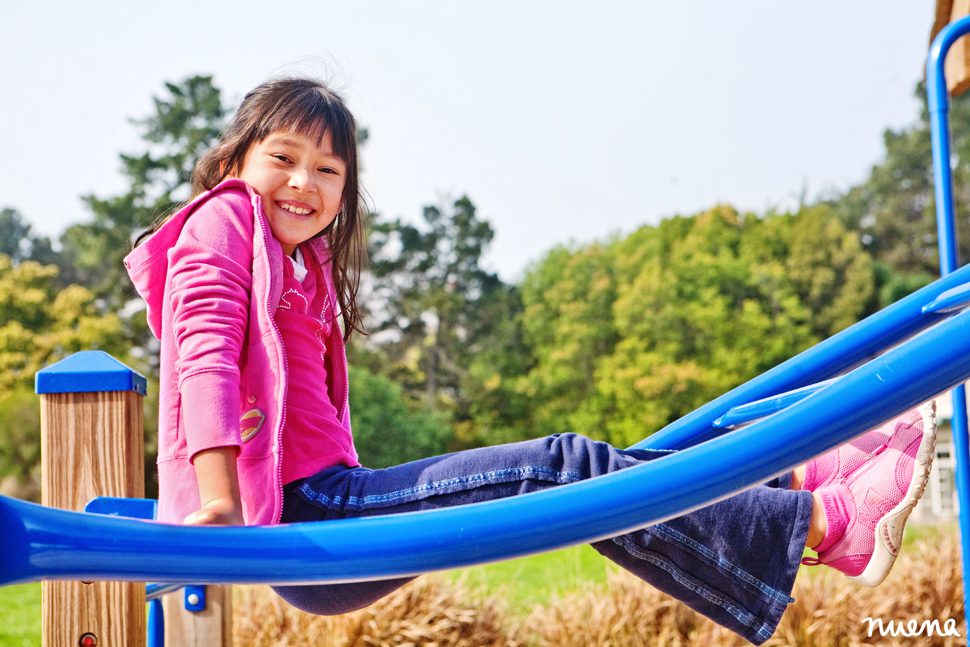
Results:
x,y
211,627
91,445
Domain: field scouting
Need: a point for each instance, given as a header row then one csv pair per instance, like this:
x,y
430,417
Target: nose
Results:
x,y
302,181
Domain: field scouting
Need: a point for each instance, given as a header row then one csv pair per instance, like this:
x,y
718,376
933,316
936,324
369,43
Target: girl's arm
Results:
x,y
209,291
215,470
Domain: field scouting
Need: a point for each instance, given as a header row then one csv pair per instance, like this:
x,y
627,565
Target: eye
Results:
x,y
281,157
328,170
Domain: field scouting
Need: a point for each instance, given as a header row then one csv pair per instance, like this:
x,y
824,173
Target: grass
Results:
x,y
20,615
530,581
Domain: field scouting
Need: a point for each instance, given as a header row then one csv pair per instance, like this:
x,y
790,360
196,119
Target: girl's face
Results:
x,y
301,184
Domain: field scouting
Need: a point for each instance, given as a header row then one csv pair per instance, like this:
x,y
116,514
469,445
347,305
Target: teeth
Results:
x,y
298,211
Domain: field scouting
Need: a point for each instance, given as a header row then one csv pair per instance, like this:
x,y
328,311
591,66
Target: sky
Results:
x,y
564,122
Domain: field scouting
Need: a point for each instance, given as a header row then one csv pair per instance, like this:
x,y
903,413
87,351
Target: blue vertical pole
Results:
x,y
156,624
939,105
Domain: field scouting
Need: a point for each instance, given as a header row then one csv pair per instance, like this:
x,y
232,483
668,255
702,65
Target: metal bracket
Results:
x,y
195,598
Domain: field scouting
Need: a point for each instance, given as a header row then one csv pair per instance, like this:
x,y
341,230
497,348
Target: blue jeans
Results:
x,y
734,561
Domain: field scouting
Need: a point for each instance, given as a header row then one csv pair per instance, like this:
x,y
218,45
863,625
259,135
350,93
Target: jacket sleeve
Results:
x,y
210,286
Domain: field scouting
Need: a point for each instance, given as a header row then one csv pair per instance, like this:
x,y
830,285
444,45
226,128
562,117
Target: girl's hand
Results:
x,y
218,512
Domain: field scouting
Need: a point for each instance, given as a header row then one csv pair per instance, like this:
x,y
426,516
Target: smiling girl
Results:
x,y
244,287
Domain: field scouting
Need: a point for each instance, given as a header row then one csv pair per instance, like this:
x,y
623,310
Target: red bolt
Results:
x,y
88,640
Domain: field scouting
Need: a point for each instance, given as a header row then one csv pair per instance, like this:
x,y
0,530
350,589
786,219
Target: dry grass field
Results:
x,y
434,612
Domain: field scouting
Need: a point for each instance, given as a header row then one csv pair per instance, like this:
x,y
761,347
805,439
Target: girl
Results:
x,y
245,286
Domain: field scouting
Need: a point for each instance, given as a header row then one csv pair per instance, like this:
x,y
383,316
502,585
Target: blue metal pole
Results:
x,y
939,106
156,624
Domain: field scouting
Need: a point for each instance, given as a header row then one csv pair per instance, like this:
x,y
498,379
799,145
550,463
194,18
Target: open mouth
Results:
x,y
299,211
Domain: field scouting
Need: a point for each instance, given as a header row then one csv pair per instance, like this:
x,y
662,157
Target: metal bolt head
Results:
x,y
193,599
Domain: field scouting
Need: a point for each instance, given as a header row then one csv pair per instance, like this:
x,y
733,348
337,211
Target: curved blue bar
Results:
x,y
939,106
952,300
156,591
44,543
761,408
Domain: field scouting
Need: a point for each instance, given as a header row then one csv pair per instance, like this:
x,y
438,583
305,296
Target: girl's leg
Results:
x,y
734,561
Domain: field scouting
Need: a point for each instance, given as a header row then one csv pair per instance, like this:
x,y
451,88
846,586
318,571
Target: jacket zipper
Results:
x,y
278,495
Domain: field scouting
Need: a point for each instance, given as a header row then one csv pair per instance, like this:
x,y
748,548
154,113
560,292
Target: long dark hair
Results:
x,y
308,107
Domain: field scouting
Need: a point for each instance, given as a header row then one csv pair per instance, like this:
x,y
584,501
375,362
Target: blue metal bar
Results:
x,y
939,106
156,591
737,416
952,300
46,543
123,507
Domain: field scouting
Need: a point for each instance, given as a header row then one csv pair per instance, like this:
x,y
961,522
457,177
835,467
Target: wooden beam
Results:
x,y
943,10
957,64
92,445
211,627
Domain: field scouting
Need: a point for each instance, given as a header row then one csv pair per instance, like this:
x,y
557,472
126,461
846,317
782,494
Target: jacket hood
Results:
x,y
148,264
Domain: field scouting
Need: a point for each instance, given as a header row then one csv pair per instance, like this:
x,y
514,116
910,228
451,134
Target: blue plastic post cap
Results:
x,y
89,371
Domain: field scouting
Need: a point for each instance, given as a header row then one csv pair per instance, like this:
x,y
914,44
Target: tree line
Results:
x,y
613,339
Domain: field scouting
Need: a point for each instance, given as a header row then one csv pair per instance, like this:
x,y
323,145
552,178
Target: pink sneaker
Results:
x,y
844,460
867,508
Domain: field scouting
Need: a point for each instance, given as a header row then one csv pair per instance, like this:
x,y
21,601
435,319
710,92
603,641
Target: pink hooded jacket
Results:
x,y
212,283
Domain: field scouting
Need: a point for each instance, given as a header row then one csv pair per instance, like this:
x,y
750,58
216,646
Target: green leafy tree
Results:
x,y
568,323
499,409
894,209
433,304
14,235
19,244
387,429
39,325
20,441
186,123
628,337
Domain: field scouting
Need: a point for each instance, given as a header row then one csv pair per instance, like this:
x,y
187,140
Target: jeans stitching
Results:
x,y
720,562
744,617
464,482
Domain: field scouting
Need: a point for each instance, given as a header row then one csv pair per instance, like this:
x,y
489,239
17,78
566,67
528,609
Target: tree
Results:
x,y
17,243
387,430
629,336
432,303
20,441
186,123
39,325
14,235
568,324
894,209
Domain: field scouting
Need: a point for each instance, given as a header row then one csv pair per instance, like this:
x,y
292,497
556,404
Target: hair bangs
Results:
x,y
312,113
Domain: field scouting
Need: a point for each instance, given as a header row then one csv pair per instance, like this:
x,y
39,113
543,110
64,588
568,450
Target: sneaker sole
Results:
x,y
889,530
